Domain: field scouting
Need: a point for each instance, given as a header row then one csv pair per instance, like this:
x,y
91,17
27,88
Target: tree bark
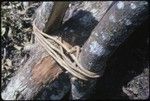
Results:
x,y
116,25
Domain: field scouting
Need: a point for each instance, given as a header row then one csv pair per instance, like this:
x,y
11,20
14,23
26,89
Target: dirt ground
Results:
x,y
126,75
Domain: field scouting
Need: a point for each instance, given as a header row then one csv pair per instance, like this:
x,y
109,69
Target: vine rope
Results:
x,y
62,54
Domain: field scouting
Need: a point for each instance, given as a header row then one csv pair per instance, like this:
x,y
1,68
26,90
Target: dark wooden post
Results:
x,y
116,25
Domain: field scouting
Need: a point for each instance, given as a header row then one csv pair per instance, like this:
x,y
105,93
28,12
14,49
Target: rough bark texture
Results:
x,y
128,61
138,88
30,78
116,25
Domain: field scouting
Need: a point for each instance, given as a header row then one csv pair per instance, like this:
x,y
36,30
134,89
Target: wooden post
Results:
x,y
116,25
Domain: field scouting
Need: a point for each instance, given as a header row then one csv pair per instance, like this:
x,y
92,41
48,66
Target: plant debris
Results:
x,y
16,32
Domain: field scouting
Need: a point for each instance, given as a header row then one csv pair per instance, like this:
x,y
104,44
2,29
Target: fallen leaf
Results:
x,y
17,47
9,62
